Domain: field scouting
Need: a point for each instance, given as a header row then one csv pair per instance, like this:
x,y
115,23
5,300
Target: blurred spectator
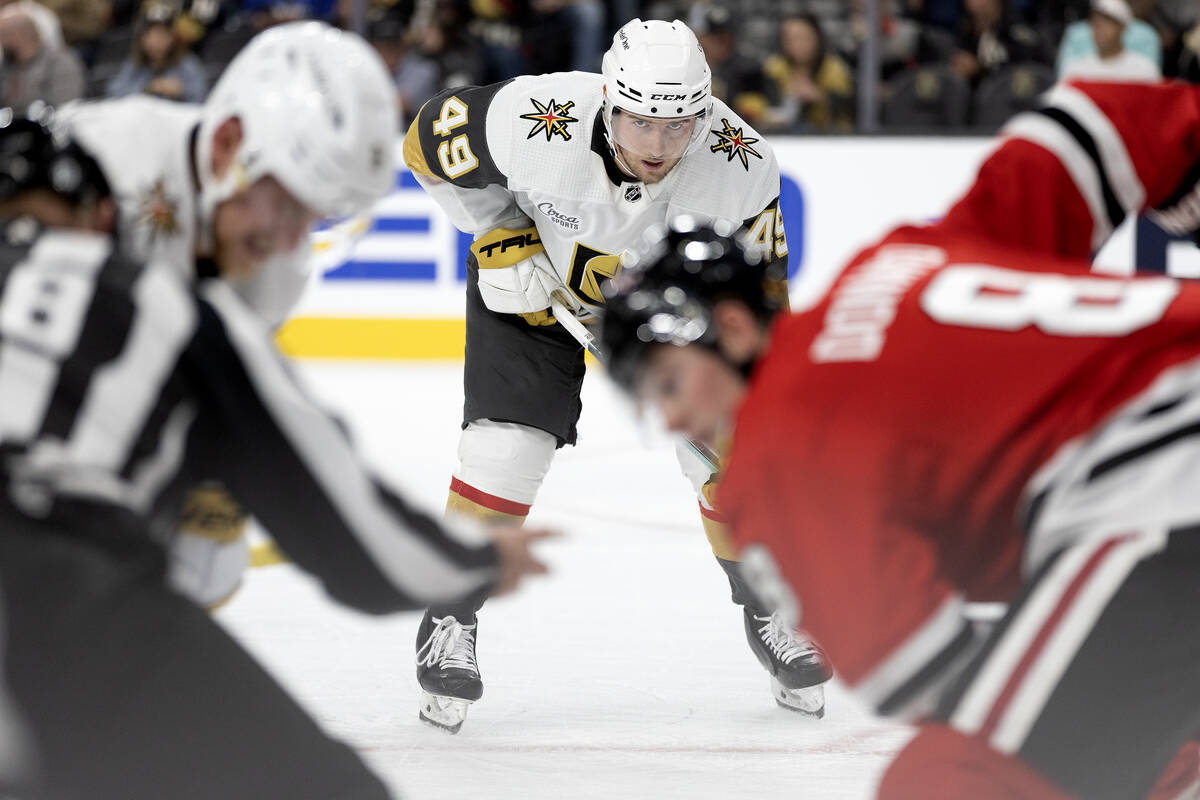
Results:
x,y
497,26
577,24
1189,56
32,71
616,14
989,39
1178,23
813,88
441,34
265,13
939,13
736,78
46,20
899,38
1180,15
82,21
1110,43
416,76
195,21
160,63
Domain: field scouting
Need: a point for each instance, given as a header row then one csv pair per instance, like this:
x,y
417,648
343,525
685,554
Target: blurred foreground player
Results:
x,y
968,416
118,384
557,176
16,758
191,184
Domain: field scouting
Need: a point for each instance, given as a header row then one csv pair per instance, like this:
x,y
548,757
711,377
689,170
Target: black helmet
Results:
x,y
32,156
667,296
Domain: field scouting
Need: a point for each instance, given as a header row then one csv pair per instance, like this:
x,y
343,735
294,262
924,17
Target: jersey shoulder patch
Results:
x,y
541,130
734,176
551,108
734,140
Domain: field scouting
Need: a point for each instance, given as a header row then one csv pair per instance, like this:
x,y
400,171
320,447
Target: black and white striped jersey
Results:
x,y
118,386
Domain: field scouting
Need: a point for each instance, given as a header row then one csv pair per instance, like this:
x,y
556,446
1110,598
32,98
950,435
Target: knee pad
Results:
x,y
506,460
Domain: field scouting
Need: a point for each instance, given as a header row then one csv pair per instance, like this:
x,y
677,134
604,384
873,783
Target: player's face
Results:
x,y
696,392
648,146
255,224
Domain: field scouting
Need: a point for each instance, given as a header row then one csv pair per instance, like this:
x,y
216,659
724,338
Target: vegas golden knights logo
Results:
x,y
589,269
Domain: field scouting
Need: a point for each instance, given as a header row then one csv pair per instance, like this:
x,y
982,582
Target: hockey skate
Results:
x,y
447,671
798,669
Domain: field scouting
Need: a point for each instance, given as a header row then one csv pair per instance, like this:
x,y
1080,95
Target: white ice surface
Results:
x,y
624,674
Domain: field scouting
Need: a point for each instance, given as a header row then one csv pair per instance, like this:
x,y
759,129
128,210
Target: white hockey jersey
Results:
x,y
146,148
532,152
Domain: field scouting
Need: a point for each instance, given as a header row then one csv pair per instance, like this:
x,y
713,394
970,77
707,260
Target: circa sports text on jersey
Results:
x,y
531,153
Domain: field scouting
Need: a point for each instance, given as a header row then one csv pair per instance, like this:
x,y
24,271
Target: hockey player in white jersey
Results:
x,y
196,187
119,384
557,176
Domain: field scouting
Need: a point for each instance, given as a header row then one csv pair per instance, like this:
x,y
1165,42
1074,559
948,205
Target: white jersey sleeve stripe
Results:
x,y
1042,637
1048,134
1067,637
901,684
1118,166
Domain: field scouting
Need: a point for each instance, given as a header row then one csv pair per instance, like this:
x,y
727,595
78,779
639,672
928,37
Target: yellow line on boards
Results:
x,y
431,339
389,338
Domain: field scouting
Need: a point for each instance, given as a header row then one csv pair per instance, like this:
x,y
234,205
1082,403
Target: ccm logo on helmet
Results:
x,y
668,97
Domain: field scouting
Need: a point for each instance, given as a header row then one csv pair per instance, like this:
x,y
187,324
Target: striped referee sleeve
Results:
x,y
294,468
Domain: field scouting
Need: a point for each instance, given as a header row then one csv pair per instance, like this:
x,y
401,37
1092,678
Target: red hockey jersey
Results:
x,y
899,438
1065,175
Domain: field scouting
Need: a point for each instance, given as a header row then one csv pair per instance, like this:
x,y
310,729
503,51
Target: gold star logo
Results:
x,y
551,119
735,143
158,210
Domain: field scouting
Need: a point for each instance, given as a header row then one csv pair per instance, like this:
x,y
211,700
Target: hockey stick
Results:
x,y
560,306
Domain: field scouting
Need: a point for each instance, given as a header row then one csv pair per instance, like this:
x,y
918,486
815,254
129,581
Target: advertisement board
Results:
x,y
399,291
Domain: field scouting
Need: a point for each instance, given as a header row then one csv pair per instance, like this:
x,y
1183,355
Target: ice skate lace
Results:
x,y
451,644
782,640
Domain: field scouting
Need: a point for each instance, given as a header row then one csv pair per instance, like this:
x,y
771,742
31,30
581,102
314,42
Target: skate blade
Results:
x,y
444,713
809,701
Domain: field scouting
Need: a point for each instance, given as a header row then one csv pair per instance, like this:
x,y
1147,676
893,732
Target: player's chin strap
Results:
x,y
616,155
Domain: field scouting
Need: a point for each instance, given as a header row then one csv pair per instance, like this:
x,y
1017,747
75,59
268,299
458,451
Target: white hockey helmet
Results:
x,y
318,114
657,69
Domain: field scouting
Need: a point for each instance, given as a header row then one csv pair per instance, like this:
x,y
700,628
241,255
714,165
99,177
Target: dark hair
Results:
x,y
815,24
157,13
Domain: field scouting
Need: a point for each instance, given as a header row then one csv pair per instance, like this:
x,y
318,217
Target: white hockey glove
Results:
x,y
515,274
210,552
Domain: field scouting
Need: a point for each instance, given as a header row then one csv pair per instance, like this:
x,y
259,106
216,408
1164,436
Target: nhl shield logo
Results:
x,y
633,193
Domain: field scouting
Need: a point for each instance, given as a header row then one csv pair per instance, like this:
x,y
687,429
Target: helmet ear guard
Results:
x,y
666,296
